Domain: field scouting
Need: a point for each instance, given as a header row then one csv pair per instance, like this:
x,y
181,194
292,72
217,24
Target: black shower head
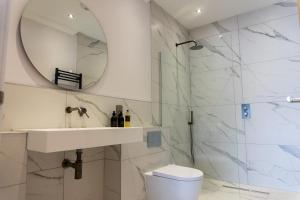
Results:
x,y
196,47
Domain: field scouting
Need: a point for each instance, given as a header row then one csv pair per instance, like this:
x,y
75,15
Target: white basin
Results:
x,y
65,139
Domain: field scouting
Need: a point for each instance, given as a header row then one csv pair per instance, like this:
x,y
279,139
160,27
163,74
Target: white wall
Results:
x,y
127,27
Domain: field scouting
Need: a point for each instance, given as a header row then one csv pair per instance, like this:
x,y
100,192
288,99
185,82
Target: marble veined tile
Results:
x,y
278,10
100,109
155,80
215,71
221,161
89,187
133,180
168,28
272,40
175,83
134,150
274,166
170,89
156,114
13,159
272,80
16,192
215,87
166,32
42,161
218,124
274,123
112,152
181,154
219,52
176,119
45,185
112,180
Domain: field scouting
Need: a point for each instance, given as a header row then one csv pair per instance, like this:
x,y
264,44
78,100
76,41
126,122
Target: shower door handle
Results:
x,y
1,97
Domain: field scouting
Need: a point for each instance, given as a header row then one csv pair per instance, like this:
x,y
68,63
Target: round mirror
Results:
x,y
64,42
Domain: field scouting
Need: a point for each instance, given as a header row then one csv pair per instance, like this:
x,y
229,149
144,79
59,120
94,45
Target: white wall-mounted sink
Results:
x,y
65,139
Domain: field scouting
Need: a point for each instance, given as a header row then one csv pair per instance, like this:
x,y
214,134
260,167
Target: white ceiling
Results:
x,y
212,10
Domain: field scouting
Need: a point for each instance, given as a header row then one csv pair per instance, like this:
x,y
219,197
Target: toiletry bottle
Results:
x,y
119,108
121,120
114,120
127,119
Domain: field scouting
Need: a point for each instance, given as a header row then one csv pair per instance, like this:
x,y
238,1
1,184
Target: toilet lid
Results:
x,y
179,173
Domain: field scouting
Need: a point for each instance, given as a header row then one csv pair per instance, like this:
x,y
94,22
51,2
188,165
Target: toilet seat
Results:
x,y
178,173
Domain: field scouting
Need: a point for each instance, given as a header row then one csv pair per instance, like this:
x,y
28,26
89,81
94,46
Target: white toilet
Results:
x,y
173,182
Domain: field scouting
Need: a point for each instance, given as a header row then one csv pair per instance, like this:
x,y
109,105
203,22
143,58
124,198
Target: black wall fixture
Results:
x,y
1,97
68,76
77,165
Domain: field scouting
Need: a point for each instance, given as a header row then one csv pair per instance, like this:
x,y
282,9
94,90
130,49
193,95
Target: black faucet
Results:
x,y
81,111
77,165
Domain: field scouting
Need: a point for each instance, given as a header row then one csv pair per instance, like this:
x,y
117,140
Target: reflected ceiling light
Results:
x,y
198,11
70,16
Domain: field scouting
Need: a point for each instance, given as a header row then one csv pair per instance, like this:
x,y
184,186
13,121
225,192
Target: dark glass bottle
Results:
x,y
120,120
114,120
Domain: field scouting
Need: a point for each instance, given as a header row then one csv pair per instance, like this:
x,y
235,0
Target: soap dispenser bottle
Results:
x,y
120,120
127,119
114,120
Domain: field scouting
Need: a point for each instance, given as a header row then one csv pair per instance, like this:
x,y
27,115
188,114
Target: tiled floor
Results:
x,y
218,190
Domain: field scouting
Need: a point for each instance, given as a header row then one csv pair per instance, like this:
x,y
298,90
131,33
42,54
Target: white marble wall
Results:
x,y
251,58
13,161
40,176
46,179
171,83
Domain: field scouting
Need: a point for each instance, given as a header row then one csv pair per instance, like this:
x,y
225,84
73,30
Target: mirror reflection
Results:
x,y
64,42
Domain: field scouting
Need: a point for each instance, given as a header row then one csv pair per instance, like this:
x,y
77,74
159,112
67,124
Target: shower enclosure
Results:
x,y
3,22
200,110
203,109
218,129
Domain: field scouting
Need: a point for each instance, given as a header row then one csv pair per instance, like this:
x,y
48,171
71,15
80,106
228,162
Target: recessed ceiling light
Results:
x,y
198,11
70,16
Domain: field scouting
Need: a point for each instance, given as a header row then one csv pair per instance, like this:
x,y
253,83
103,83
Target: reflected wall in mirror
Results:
x,y
64,42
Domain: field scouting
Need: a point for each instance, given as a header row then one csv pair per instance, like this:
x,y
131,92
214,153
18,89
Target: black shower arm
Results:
x,y
190,41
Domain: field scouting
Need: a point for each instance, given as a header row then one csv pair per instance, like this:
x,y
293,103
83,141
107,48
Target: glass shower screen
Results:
x,y
3,30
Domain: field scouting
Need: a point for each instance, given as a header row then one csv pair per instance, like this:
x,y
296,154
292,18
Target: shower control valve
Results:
x,y
246,111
